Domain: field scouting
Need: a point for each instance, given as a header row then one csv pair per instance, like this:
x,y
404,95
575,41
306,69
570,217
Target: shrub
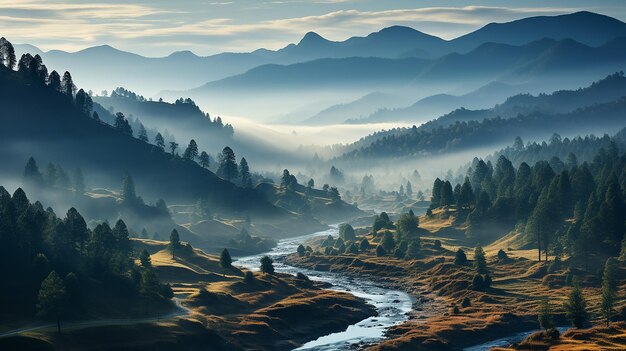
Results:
x,y
437,244
455,309
413,250
365,245
502,255
487,281
267,265
302,279
388,241
248,278
301,250
380,251
347,232
553,333
460,258
480,261
225,260
466,302
478,282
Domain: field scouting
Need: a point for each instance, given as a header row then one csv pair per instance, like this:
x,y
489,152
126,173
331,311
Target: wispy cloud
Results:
x,y
146,27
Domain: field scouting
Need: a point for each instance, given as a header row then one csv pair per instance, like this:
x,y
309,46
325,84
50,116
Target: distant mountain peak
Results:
x,y
183,54
312,38
395,30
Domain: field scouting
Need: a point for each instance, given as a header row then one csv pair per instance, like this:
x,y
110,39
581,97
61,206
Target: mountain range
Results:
x,y
104,67
598,108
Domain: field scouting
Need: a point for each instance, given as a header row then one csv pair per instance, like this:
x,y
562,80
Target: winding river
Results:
x,y
392,305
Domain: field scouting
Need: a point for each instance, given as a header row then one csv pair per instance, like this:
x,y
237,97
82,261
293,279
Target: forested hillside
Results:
x,y
60,128
58,268
560,207
451,132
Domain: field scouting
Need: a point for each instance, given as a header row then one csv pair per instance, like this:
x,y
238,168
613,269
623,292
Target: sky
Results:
x,y
158,27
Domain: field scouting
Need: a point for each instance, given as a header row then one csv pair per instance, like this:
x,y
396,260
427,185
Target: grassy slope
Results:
x,y
509,306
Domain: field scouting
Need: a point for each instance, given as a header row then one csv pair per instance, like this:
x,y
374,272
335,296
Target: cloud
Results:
x,y
149,29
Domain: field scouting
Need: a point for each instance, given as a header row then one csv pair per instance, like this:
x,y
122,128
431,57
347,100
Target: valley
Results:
x,y
312,175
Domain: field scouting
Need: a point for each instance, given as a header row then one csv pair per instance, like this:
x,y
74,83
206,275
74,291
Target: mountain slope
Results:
x,y
589,28
601,103
599,119
53,130
607,89
104,67
538,60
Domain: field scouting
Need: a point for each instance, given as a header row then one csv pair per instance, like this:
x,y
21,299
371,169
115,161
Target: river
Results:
x,y
392,305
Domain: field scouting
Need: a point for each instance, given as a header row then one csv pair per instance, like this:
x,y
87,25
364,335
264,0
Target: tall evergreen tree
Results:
x,y
191,152
143,134
54,81
173,147
174,242
52,298
204,159
225,260
67,85
244,173
576,307
121,123
480,261
227,164
159,141
609,291
267,265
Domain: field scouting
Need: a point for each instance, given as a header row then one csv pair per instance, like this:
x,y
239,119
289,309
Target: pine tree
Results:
x,y
159,141
143,134
54,81
388,241
173,147
244,173
267,265
204,159
609,291
174,242
301,250
545,315
460,258
31,172
191,153
144,259
480,261
576,307
67,85
120,123
52,298
225,260
227,166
